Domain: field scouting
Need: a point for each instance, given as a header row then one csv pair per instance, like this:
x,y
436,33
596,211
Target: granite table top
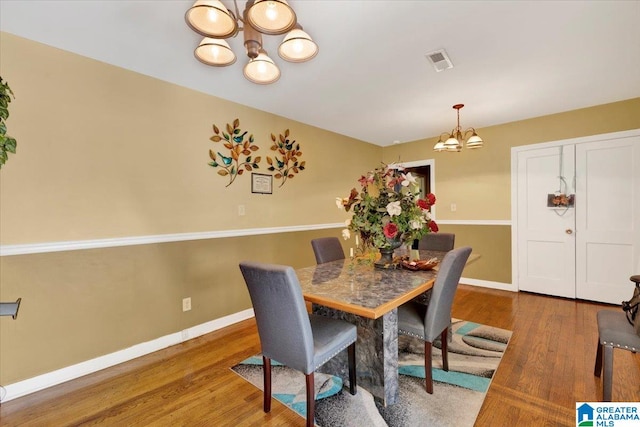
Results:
x,y
362,289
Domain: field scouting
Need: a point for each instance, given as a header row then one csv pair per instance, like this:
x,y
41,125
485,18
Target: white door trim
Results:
x,y
432,177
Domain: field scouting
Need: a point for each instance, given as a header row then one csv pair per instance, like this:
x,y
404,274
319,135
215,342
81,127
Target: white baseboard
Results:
x,y
31,385
488,284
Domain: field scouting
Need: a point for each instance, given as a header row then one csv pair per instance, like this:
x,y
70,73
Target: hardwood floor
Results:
x,y
547,368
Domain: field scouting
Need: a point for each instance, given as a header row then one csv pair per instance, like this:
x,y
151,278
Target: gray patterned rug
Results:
x,y
474,355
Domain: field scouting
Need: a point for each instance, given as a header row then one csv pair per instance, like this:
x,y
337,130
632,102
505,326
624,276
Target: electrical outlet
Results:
x,y
241,211
186,304
453,207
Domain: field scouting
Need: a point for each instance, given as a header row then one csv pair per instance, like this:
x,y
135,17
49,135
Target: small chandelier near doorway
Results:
x,y
455,139
211,19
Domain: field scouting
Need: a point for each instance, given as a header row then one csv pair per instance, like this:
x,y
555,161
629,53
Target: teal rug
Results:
x,y
475,352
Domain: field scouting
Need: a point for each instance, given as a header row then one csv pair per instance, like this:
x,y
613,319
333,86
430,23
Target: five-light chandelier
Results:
x,y
456,138
211,19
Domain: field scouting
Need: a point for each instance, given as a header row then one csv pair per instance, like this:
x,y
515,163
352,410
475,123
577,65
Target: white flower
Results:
x,y
426,215
346,234
417,224
393,208
339,202
347,222
408,179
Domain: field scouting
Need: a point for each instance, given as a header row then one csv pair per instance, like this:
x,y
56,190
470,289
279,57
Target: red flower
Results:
x,y
363,181
431,199
423,204
433,226
394,181
390,230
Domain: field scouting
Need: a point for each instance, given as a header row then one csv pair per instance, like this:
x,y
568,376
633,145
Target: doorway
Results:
x,y
576,216
424,171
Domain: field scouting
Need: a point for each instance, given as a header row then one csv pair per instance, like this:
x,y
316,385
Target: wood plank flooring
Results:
x,y
547,368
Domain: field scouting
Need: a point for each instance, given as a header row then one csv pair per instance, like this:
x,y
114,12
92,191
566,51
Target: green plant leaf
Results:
x,y
11,145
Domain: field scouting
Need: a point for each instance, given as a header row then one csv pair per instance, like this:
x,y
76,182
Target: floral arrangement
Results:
x,y
388,210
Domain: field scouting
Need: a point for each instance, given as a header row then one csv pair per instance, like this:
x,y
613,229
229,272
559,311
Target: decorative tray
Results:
x,y
419,265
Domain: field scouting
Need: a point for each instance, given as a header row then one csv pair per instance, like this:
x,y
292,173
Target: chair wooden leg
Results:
x,y
427,367
352,368
266,371
607,379
598,368
311,400
444,337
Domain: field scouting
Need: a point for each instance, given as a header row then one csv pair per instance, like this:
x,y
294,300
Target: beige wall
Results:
x,y
79,305
479,181
107,153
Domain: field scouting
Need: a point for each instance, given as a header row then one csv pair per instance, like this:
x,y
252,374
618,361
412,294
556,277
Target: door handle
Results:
x,y
568,231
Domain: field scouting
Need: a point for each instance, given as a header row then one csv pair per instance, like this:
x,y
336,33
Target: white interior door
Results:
x,y
546,245
608,218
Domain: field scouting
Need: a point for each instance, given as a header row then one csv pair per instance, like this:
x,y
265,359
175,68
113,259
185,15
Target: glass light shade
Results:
x,y
215,52
475,141
271,16
439,146
211,19
453,147
297,46
262,70
451,142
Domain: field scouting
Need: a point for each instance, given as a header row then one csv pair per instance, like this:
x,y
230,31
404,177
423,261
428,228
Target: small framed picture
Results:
x,y
261,183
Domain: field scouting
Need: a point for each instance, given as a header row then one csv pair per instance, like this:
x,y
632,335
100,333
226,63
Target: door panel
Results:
x,y
546,252
607,218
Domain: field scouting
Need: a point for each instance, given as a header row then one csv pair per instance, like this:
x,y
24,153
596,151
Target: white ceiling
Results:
x,y
371,81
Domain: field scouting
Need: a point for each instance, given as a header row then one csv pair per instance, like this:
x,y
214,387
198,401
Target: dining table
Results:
x,y
355,290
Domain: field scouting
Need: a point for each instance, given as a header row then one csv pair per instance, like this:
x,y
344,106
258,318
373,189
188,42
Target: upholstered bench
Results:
x,y
614,332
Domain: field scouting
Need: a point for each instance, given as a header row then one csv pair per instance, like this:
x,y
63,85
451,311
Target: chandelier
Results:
x,y
211,19
456,138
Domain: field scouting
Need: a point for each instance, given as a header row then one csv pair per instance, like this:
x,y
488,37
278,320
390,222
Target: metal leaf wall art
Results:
x,y
288,165
237,144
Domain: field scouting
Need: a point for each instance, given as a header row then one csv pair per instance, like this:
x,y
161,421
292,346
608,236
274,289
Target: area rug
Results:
x,y
475,352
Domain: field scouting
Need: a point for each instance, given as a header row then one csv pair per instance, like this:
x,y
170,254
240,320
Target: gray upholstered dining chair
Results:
x,y
443,242
289,334
429,322
327,249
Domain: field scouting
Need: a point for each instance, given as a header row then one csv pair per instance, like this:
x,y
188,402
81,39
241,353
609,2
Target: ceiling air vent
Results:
x,y
440,60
